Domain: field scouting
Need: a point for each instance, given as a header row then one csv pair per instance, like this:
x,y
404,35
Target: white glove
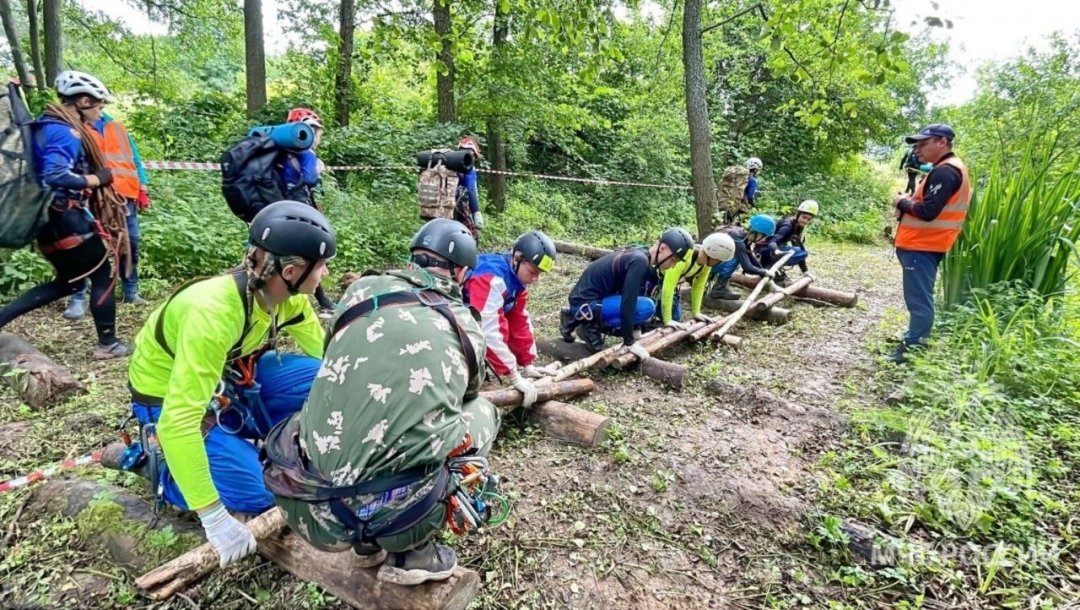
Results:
x,y
770,274
526,387
538,372
777,252
231,539
704,318
773,287
677,325
478,219
639,351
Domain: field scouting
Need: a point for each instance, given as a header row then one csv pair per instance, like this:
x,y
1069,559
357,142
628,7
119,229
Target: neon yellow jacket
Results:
x,y
202,323
690,270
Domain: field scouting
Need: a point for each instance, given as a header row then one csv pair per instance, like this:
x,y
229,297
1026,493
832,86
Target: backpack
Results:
x,y
23,199
731,193
437,191
249,181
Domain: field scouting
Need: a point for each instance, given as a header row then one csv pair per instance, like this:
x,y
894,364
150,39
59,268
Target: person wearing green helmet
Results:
x,y
759,229
790,231
195,425
369,463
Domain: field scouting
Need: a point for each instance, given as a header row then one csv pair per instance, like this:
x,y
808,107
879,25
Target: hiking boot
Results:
x,y
370,560
782,280
903,351
114,350
134,299
567,324
429,562
76,309
721,291
591,335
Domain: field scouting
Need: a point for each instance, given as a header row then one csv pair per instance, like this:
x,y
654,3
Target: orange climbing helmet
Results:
x,y
303,115
470,143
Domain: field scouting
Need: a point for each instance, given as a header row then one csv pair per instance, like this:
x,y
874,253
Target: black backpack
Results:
x,y
249,181
23,200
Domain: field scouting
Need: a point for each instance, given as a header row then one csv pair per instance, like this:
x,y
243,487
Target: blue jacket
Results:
x,y
751,189
298,173
498,264
59,160
467,188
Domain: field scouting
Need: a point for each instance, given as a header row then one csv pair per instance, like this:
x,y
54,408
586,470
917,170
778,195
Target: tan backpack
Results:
x,y
437,192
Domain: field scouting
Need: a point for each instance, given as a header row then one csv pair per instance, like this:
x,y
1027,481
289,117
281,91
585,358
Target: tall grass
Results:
x,y
1022,224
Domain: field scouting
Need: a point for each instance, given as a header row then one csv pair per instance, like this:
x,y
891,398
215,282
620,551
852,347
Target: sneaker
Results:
x,y
782,280
134,299
591,335
76,309
567,324
325,313
429,562
722,292
115,350
370,560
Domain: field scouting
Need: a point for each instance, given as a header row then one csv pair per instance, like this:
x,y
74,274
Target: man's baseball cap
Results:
x,y
937,130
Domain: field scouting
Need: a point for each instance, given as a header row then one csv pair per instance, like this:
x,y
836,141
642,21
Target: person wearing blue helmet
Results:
x,y
760,228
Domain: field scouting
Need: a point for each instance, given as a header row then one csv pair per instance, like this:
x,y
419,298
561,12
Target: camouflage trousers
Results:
x,y
317,524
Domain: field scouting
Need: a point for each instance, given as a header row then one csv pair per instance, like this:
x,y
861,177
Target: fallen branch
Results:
x,y
591,252
734,318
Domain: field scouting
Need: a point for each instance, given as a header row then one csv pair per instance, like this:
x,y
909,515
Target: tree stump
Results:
x,y
38,380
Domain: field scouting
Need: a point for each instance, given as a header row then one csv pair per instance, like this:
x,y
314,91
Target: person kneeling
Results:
x,y
790,231
761,227
375,459
715,249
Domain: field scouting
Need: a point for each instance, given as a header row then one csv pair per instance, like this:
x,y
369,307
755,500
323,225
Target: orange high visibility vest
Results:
x,y
937,235
116,147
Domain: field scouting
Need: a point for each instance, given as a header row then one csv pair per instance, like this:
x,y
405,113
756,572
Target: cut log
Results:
x,y
599,358
732,341
817,293
566,247
570,424
38,380
776,297
667,372
508,399
774,315
733,319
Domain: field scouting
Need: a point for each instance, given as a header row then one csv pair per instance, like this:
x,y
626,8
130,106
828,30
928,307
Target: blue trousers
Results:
x,y
610,311
723,271
920,274
799,257
130,284
234,460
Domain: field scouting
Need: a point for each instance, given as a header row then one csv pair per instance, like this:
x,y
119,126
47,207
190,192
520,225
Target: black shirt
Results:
x,y
747,259
626,273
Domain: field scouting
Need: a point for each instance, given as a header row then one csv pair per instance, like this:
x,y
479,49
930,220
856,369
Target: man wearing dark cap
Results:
x,y
930,221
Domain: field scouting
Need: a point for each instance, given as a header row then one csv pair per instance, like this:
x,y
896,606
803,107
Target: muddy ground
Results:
x,y
701,499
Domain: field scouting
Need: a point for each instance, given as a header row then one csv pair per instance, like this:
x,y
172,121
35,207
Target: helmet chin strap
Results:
x,y
656,265
293,287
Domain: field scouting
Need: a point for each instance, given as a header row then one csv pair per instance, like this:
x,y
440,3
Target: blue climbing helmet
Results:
x,y
763,223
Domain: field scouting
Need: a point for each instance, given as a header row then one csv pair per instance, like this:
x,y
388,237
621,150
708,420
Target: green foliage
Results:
x,y
1022,225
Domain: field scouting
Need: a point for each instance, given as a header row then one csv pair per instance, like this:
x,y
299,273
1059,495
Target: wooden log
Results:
x,y
667,372
38,380
600,357
774,315
570,424
817,293
732,341
508,399
566,247
769,301
734,318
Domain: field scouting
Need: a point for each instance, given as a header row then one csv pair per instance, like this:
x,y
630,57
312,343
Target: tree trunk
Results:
x,y
343,78
496,124
54,40
697,116
254,56
35,45
444,78
13,41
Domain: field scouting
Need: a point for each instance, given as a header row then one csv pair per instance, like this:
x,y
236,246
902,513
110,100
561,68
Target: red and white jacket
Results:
x,y
494,290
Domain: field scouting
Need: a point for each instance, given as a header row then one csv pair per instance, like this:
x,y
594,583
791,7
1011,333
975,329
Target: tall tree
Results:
x,y
343,77
54,39
444,79
697,116
13,41
254,56
496,125
35,44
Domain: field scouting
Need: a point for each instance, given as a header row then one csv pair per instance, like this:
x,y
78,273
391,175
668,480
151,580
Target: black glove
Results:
x,y
104,176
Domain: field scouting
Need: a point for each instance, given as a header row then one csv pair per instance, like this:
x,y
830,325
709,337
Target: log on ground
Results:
x,y
566,247
570,424
38,380
509,399
667,372
835,297
774,315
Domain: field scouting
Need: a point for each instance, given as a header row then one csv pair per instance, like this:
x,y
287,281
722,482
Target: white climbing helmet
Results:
x,y
809,207
719,246
72,82
753,163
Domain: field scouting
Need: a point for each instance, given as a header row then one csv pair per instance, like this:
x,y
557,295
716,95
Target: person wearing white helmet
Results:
x,y
73,239
753,164
789,237
694,268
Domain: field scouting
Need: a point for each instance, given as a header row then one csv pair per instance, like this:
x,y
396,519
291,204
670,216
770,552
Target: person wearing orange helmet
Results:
x,y
301,172
467,210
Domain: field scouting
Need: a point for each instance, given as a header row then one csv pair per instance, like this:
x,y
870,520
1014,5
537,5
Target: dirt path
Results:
x,y
693,504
